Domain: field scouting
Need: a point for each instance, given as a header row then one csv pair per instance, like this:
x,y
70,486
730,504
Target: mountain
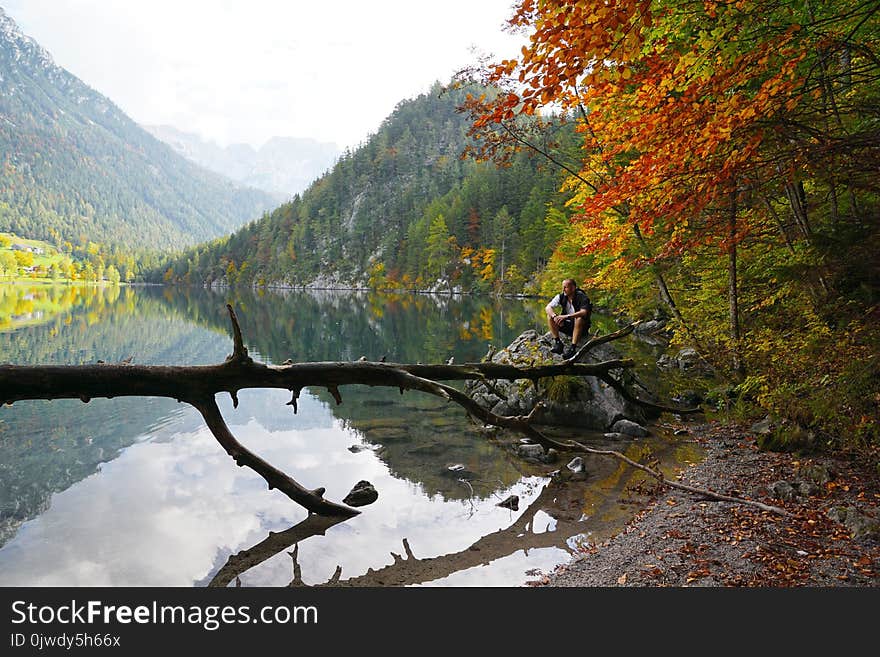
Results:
x,y
74,167
283,166
402,210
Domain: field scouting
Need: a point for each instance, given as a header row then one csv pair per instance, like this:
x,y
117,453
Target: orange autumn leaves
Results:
x,y
676,101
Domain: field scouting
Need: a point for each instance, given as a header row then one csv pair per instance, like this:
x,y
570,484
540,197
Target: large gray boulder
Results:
x,y
629,428
686,360
583,402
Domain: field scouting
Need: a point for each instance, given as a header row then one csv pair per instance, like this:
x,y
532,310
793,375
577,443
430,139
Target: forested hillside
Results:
x,y
74,167
405,210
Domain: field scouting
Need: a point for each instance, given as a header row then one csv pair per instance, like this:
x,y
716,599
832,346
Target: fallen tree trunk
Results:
x,y
198,385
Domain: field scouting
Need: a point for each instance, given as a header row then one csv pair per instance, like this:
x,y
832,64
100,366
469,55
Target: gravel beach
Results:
x,y
830,539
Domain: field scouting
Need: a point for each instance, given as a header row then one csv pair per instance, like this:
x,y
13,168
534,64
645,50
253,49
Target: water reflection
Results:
x,y
103,493
553,527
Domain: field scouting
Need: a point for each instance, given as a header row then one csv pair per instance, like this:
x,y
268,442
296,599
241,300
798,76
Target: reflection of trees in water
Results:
x,y
416,437
45,447
90,323
23,305
326,325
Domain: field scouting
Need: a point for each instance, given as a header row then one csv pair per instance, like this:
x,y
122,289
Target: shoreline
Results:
x,y
681,540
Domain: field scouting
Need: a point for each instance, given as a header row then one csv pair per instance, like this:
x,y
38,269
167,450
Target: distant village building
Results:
x,y
30,249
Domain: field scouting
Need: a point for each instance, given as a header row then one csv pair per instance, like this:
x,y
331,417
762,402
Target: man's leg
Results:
x,y
580,328
558,347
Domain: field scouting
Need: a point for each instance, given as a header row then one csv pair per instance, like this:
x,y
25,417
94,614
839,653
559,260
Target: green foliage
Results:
x,y
439,248
789,438
561,388
36,259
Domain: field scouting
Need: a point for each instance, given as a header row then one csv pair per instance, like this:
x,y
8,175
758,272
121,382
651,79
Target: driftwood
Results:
x,y
198,386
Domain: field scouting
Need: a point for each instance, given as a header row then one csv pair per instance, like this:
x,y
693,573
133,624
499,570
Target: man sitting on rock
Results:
x,y
573,317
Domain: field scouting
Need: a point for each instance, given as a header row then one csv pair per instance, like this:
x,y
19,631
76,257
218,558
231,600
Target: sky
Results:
x,y
238,71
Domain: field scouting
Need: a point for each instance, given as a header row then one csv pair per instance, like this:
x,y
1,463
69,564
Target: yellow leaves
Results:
x,y
686,61
597,15
631,46
705,40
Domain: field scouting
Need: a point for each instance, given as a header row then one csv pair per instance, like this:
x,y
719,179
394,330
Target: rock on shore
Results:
x,y
583,402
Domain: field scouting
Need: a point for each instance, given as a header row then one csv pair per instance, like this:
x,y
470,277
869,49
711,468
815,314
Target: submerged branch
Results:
x,y
313,500
674,484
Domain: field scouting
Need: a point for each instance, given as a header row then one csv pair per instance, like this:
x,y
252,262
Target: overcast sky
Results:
x,y
247,70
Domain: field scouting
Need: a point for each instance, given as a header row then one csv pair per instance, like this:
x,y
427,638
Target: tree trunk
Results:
x,y
732,293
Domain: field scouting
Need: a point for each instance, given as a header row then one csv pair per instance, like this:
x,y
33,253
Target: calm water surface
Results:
x,y
137,492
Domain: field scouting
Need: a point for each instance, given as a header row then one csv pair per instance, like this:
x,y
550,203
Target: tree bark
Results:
x,y
732,292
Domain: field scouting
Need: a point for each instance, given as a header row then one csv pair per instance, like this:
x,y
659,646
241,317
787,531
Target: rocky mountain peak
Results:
x,y
20,47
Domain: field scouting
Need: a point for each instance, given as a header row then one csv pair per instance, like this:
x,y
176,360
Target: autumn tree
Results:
x,y
23,258
8,263
728,165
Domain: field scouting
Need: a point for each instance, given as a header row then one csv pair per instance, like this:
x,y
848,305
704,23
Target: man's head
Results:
x,y
569,286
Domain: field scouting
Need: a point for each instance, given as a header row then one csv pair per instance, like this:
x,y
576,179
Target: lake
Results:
x,y
137,492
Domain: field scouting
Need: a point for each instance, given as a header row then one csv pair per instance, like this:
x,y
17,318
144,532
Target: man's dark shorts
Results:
x,y
567,326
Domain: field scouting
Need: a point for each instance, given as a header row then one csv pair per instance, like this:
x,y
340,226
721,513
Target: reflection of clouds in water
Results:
x,y
543,522
143,520
166,514
433,527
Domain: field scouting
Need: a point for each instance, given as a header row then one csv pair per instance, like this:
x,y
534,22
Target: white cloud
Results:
x,y
246,71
